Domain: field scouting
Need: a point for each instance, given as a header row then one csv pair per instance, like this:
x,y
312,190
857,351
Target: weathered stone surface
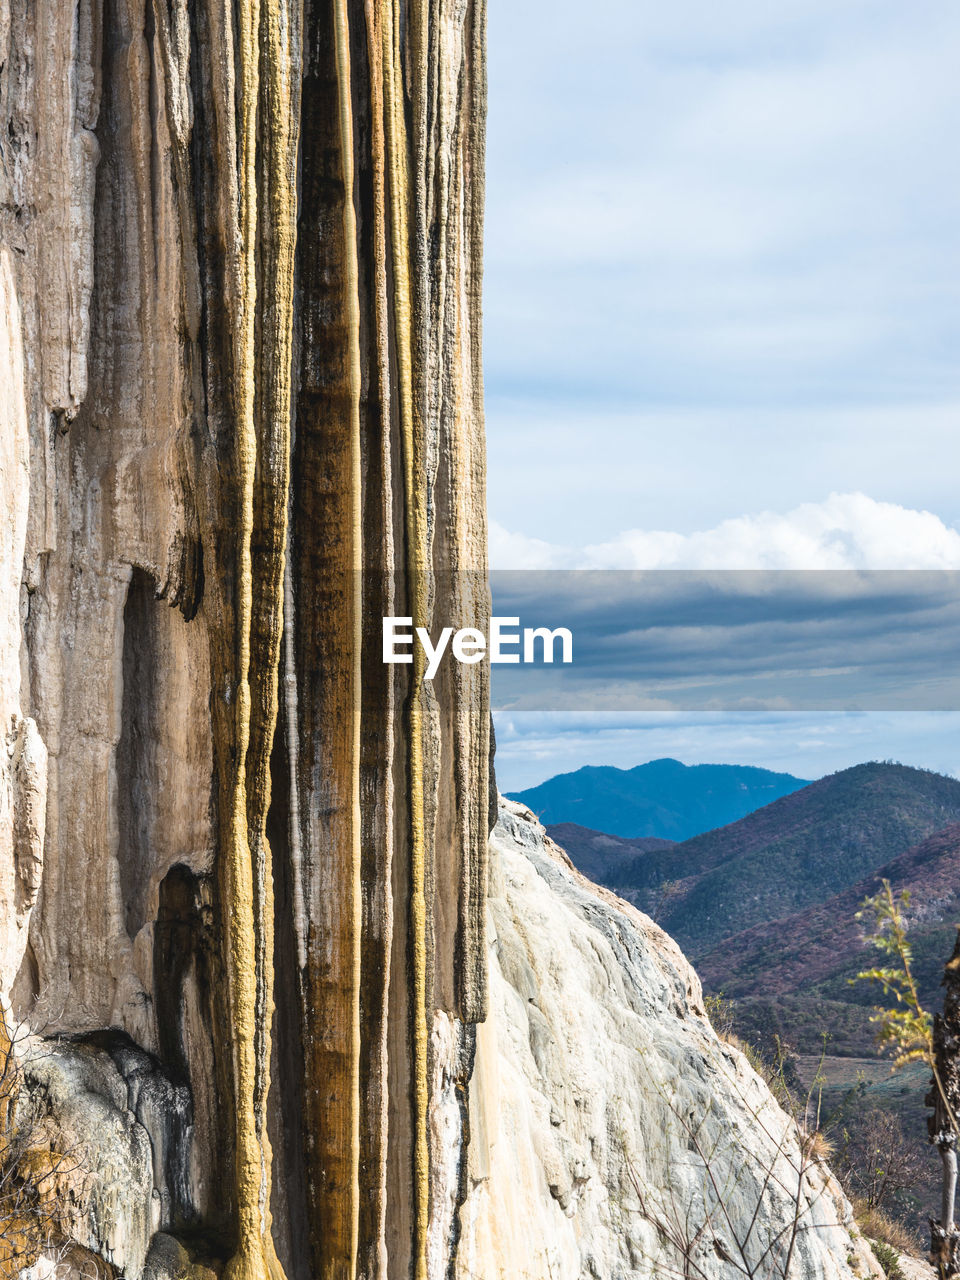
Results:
x,y
611,1130
916,1269
121,1131
241,395
23,755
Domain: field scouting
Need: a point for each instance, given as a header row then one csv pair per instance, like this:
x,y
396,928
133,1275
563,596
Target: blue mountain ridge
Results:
x,y
662,798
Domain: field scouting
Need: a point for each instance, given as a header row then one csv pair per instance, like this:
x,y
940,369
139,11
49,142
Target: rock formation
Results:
x,y
613,1135
241,397
243,864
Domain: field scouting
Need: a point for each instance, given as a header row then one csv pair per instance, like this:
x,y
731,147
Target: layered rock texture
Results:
x,y
241,407
614,1136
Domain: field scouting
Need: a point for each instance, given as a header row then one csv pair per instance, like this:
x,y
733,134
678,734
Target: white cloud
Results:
x,y
734,204
845,531
580,473
516,551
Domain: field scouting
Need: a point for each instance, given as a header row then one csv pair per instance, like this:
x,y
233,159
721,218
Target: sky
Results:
x,y
804,672
722,320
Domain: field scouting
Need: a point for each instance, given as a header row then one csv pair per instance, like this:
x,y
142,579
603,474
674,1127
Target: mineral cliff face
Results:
x,y
243,864
613,1135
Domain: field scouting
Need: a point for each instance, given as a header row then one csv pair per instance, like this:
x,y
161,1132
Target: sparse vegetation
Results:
x,y
34,1171
879,1227
859,1130
693,1234
906,1028
773,1063
875,1160
888,1258
720,1012
912,1035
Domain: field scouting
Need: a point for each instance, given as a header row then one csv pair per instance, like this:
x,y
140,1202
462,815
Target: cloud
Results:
x,y
845,531
581,473
731,642
736,205
668,639
719,255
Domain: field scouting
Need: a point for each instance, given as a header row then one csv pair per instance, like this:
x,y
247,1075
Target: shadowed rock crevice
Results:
x,y
188,980
137,778
287,1134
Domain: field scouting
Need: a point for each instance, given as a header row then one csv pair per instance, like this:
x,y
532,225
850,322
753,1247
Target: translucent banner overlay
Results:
x,y
674,642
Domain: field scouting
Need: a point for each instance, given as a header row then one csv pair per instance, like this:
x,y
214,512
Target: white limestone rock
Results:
x,y
121,1130
612,1131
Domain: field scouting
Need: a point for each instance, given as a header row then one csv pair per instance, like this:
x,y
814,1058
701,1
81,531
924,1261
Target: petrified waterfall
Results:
x,y
244,861
272,1013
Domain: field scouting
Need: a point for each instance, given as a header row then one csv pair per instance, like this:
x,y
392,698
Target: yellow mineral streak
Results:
x,y
281,103
416,540
248,899
354,591
373,1221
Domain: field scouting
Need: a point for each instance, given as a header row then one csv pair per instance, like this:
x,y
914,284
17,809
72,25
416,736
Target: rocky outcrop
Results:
x,y
121,1128
613,1135
240,389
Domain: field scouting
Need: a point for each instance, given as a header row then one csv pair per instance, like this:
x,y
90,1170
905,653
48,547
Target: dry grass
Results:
x,y
876,1225
817,1145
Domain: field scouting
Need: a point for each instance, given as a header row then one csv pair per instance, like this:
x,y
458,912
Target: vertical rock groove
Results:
x,y
136,774
341,31
263,371
250,390
327,581
414,506
248,968
382,737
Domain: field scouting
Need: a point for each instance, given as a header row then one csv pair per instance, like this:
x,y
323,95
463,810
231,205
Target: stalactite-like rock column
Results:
x,y
361,285
415,532
240,286
261,303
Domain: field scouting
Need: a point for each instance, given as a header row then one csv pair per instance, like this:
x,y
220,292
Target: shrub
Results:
x,y
888,1258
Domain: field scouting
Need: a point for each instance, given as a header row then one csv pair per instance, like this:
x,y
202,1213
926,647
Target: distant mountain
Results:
x,y
816,951
767,906
663,799
794,854
598,855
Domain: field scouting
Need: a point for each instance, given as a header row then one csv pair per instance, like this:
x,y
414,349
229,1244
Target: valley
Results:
x,y
768,908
